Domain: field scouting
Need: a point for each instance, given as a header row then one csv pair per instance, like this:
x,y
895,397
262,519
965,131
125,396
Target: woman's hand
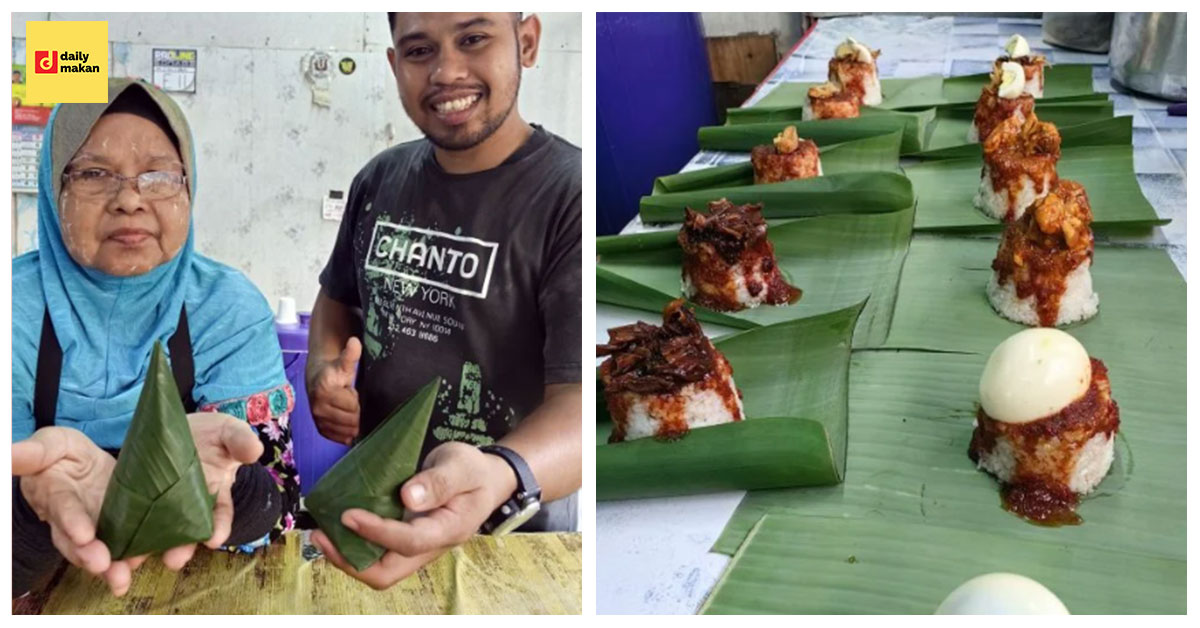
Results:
x,y
223,444
444,506
63,477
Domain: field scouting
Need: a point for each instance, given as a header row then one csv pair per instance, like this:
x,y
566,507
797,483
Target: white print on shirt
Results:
x,y
460,264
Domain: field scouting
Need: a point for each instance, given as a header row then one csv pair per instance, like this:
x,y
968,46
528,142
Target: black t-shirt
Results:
x,y
474,278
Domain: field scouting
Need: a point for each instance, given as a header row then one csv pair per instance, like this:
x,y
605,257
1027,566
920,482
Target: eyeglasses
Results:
x,y
155,185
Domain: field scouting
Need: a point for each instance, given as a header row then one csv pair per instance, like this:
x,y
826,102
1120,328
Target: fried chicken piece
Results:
x,y
992,110
827,102
1066,210
789,158
787,141
1024,137
1020,160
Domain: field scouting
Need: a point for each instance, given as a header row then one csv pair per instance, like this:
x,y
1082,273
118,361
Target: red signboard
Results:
x,y
37,116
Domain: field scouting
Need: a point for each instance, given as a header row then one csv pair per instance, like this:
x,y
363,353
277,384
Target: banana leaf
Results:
x,y
157,497
946,188
792,377
743,137
824,565
912,409
871,154
897,93
911,420
794,113
370,474
1062,81
837,260
852,192
1141,303
1084,123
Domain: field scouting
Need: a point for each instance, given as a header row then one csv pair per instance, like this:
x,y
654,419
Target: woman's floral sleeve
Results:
x,y
268,412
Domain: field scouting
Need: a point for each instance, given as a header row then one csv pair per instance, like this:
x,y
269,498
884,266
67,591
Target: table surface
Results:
x,y
516,574
653,554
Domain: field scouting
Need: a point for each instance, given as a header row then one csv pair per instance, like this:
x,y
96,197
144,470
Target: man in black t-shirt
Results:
x,y
459,256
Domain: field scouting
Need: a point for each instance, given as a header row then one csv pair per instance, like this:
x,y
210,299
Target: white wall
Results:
x,y
266,155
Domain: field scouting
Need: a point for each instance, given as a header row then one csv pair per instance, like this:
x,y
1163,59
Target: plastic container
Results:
x,y
1148,53
653,90
1089,32
314,454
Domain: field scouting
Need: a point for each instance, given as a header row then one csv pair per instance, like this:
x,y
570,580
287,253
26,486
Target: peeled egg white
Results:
x,y
1012,80
1033,374
1017,46
1002,594
853,49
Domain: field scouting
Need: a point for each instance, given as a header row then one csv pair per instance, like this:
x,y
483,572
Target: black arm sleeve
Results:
x,y
33,553
257,504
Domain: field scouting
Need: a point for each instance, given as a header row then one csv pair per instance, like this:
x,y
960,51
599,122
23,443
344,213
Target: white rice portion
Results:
x,y
702,408
738,279
1091,463
1033,86
995,203
1000,461
1078,301
873,93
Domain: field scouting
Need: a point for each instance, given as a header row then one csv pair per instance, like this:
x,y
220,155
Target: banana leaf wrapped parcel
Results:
x,y
157,497
369,476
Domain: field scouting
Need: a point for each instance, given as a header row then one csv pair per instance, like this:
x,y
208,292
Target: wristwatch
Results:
x,y
525,502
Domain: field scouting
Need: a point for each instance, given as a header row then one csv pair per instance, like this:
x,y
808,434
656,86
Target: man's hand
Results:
x,y
332,397
63,477
223,443
444,506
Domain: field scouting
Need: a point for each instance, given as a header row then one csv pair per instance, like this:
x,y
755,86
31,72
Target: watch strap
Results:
x,y
527,485
524,502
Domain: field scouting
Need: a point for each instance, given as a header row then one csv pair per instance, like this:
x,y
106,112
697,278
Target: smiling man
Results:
x,y
459,256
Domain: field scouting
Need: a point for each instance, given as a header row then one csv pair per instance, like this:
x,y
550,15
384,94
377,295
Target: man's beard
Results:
x,y
471,140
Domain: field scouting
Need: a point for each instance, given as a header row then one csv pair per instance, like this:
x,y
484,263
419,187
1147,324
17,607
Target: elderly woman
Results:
x,y
115,272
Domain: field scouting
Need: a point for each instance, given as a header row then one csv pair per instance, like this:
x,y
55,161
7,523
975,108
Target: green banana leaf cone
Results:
x,y
369,476
157,497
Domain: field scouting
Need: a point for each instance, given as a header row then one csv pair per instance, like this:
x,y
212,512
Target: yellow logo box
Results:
x,y
66,61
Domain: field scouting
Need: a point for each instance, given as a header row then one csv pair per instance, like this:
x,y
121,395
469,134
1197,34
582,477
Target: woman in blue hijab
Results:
x,y
115,272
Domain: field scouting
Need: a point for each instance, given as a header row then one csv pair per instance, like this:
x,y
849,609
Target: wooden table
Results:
x,y
519,573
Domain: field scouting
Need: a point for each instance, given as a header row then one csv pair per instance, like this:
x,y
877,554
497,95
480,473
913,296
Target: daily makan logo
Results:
x,y
69,61
46,62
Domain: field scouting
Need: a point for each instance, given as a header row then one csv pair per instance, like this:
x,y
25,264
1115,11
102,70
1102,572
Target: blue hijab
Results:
x,y
107,325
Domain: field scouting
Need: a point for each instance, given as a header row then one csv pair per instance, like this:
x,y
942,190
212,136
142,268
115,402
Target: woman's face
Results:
x,y
120,232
